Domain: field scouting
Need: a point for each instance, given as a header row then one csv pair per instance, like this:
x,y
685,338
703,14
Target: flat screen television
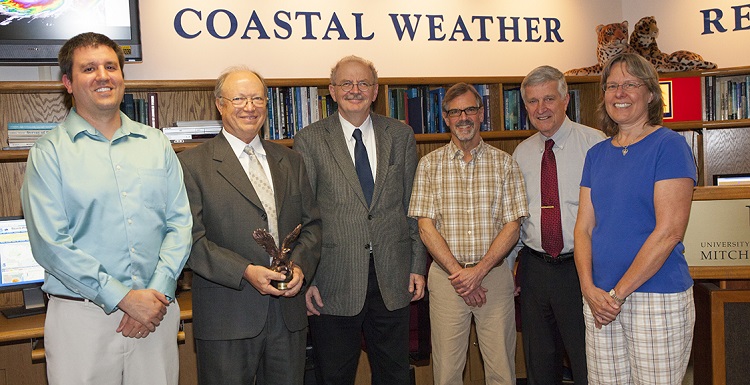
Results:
x,y
732,179
32,32
18,268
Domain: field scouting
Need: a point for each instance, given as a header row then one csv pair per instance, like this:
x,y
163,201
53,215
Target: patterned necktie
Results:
x,y
362,164
552,238
264,190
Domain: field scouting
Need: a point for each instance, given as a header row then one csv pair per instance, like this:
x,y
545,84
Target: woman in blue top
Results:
x,y
635,199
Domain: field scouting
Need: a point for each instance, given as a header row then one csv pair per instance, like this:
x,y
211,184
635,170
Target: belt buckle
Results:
x,y
469,264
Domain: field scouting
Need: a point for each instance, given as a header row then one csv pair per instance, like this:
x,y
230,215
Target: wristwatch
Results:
x,y
615,297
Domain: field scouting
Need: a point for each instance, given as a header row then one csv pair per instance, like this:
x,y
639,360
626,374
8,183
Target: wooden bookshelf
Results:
x,y
716,144
719,146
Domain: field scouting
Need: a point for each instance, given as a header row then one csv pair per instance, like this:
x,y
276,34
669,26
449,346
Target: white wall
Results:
x,y
168,56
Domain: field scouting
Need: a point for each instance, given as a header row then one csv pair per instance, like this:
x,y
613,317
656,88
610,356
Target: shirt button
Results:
x,y
118,168
469,232
135,278
130,221
124,194
132,249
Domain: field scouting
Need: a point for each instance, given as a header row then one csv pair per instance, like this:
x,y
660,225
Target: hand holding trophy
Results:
x,y
279,257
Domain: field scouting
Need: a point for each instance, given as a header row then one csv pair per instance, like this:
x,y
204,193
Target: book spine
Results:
x,y
42,126
153,109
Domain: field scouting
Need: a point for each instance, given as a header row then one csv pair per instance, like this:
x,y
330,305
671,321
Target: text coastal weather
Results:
x,y
191,23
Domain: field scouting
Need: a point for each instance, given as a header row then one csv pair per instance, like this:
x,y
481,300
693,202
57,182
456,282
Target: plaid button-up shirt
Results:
x,y
470,202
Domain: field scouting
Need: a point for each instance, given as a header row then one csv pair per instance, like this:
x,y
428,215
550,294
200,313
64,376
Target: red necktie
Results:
x,y
552,240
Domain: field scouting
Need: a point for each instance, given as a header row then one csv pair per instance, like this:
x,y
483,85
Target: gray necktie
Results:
x,y
263,189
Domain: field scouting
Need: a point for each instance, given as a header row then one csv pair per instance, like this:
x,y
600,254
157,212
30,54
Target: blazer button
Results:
x,y
263,216
367,246
369,216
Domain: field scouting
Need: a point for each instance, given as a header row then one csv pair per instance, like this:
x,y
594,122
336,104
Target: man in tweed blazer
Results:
x,y
372,260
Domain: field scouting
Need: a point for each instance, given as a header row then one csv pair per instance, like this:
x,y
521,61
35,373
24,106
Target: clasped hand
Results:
x,y
260,277
144,310
603,308
467,283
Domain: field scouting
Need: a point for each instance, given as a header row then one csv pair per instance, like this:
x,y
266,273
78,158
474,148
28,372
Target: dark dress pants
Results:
x,y
276,356
551,319
337,342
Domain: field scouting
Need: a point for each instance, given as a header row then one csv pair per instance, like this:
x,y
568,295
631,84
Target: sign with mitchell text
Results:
x,y
718,233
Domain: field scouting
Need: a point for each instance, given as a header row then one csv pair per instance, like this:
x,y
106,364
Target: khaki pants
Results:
x,y
450,323
82,347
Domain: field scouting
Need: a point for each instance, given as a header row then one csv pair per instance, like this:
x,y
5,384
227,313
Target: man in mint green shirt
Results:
x,y
109,220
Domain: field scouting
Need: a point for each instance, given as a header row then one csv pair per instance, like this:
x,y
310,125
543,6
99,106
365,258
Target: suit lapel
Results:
x,y
340,154
228,166
384,145
279,172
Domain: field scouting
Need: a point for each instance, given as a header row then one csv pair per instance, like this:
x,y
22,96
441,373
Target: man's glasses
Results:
x,y
456,112
241,101
348,86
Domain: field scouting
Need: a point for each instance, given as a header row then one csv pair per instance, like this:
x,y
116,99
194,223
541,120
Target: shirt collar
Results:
x,y
349,128
476,153
560,137
238,146
77,125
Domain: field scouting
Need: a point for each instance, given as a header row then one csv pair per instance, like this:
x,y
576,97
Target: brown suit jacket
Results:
x,y
226,210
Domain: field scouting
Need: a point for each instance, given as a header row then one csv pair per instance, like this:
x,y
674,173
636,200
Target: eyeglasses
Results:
x,y
627,86
456,112
241,101
348,86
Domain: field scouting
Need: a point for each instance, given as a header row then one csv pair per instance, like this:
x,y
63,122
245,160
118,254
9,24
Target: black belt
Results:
x,y
79,299
548,258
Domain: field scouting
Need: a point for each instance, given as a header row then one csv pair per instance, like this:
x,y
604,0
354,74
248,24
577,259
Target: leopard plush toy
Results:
x,y
612,39
643,41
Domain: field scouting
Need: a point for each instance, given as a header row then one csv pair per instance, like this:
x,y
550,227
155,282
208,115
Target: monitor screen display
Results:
x,y
17,264
32,32
732,180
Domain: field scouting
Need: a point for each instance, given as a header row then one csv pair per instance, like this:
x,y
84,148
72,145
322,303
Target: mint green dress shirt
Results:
x,y
105,217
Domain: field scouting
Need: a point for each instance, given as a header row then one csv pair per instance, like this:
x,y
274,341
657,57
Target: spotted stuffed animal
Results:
x,y
612,39
643,41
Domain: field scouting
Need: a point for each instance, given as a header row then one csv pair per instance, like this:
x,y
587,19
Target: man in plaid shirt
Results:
x,y
469,198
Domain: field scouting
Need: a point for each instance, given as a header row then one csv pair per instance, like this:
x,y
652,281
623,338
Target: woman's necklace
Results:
x,y
625,147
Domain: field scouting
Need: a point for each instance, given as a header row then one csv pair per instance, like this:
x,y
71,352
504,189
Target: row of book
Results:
x,y
514,110
141,110
421,107
192,130
726,98
22,135
289,110
292,108
516,116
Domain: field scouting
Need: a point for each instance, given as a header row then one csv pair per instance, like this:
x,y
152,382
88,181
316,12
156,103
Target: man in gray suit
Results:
x,y
243,324
361,167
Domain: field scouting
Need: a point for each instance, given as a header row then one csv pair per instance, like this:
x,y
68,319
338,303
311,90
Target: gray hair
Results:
x,y
544,74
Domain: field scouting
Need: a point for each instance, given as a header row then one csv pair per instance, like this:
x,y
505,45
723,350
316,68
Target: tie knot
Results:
x,y
548,145
357,134
249,150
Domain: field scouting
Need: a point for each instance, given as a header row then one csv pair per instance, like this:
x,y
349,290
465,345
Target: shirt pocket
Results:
x,y
154,187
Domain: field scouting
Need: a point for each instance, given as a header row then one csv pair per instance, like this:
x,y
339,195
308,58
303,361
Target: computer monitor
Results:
x,y
732,179
32,32
18,268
